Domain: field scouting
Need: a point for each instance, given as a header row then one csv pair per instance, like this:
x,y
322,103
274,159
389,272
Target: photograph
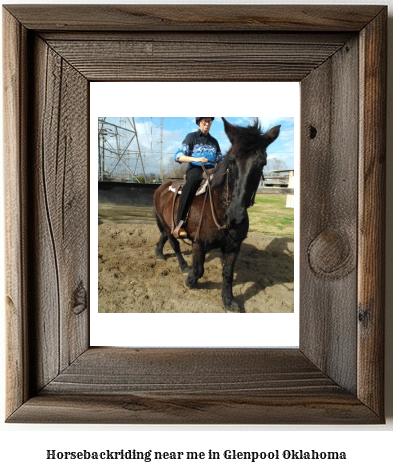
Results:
x,y
196,214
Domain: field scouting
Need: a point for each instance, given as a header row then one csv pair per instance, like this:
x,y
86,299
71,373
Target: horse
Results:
x,y
223,223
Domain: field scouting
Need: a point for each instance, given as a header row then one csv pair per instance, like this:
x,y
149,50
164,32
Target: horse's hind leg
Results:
x,y
162,240
160,246
164,237
176,248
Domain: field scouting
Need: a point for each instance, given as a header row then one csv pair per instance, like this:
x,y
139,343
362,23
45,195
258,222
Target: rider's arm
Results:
x,y
189,159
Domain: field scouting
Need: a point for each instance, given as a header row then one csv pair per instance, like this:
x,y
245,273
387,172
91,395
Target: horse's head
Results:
x,y
248,150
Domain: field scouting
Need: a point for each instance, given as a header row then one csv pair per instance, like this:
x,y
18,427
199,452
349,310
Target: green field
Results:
x,y
269,216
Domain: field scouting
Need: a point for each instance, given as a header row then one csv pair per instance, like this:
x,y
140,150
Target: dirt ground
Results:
x,y
131,280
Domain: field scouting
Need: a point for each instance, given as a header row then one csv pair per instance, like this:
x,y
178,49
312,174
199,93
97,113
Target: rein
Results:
x,y
218,225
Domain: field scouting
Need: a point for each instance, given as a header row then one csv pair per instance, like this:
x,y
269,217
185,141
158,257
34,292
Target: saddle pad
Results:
x,y
204,184
173,190
202,188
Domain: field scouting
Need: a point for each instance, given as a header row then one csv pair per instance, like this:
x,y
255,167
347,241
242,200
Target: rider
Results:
x,y
197,148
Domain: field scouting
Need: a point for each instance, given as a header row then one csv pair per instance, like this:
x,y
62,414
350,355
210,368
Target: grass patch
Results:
x,y
269,216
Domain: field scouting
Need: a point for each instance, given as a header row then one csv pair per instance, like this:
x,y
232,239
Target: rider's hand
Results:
x,y
203,160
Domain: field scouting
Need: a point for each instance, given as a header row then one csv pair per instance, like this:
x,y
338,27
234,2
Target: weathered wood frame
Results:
x,y
338,54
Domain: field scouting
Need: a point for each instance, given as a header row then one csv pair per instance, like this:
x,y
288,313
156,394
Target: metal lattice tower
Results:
x,y
119,153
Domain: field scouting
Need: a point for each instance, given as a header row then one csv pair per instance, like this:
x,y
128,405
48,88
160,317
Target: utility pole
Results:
x,y
139,155
162,148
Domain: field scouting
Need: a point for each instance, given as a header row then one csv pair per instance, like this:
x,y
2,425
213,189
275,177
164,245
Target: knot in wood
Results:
x,y
364,316
80,299
313,132
331,255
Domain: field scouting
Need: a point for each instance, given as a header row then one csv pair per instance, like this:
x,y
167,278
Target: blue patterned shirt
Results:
x,y
197,145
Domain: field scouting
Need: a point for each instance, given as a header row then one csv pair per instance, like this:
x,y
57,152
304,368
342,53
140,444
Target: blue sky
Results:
x,y
176,128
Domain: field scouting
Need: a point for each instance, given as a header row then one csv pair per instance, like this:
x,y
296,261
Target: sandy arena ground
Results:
x,y
131,280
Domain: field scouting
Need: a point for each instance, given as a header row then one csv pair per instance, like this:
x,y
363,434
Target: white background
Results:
x,y
23,447
157,330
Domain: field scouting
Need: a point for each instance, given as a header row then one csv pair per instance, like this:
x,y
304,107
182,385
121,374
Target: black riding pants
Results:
x,y
193,180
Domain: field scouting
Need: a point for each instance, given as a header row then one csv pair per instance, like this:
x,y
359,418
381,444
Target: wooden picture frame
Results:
x,y
338,54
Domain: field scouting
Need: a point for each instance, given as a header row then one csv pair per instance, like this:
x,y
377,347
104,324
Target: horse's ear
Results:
x,y
230,130
271,135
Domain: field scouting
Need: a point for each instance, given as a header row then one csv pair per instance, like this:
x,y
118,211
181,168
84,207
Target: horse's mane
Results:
x,y
219,171
248,140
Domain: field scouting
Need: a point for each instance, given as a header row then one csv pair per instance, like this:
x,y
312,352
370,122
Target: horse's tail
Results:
x,y
158,205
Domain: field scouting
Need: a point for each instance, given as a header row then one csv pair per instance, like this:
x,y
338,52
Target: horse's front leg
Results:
x,y
229,260
198,265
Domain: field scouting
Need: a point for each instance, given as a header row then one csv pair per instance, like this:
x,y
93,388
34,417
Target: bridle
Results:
x,y
228,200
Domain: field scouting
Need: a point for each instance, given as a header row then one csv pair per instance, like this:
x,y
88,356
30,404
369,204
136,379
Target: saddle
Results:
x,y
177,185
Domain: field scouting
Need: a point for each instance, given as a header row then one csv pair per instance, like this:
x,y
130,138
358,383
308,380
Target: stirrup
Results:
x,y
179,232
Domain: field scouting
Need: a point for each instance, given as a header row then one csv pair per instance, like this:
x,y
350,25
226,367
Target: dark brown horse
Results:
x,y
224,223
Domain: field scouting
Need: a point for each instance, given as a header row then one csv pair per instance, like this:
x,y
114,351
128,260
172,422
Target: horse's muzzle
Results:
x,y
233,219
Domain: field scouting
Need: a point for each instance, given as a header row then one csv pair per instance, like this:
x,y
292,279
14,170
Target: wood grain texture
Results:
x,y
335,376
192,409
47,213
372,196
187,36
199,371
193,386
58,173
15,106
189,17
329,187
162,59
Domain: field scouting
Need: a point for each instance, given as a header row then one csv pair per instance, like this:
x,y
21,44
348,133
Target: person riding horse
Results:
x,y
197,148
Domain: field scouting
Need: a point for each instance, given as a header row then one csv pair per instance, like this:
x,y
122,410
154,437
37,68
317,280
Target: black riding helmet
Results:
x,y
198,119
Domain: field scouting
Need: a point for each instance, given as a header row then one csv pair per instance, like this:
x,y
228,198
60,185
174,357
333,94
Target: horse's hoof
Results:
x,y
233,308
190,287
185,270
159,255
